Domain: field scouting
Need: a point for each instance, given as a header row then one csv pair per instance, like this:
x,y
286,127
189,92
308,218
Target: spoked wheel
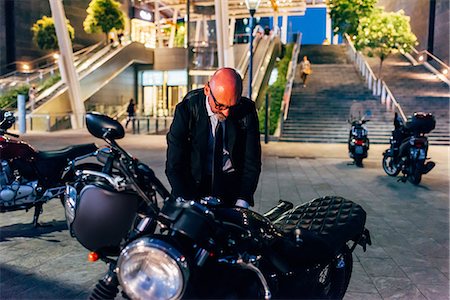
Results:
x,y
389,166
335,277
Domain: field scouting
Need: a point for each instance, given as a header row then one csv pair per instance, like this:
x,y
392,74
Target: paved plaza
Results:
x,y
409,225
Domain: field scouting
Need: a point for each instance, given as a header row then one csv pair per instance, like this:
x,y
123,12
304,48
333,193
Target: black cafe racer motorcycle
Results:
x,y
29,177
174,249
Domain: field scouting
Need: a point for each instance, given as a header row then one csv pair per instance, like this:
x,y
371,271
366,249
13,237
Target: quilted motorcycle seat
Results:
x,y
70,152
333,219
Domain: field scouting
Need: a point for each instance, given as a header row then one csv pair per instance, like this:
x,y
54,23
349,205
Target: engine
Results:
x,y
12,191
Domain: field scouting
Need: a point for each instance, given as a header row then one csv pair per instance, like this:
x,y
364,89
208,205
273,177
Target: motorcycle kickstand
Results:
x,y
37,211
403,179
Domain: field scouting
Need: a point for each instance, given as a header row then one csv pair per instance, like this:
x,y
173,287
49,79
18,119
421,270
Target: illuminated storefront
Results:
x,y
161,91
143,29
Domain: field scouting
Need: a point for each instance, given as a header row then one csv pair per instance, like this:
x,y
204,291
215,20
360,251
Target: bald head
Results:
x,y
227,80
224,90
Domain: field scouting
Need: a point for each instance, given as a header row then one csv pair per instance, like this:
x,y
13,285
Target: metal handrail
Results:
x,y
290,76
263,63
378,86
431,55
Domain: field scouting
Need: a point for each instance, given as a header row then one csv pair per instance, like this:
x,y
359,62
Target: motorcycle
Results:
x,y
409,148
358,142
30,178
200,249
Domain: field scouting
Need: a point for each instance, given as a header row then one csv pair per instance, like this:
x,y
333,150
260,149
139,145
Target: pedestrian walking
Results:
x,y
32,96
131,110
305,69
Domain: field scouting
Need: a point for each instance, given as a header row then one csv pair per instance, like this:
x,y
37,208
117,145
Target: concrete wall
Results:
x,y
16,38
441,31
2,37
419,11
117,92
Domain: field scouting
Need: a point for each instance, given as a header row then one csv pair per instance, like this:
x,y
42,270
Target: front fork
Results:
x,y
108,286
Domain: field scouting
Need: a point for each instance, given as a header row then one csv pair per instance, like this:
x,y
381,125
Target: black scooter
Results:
x,y
409,148
358,142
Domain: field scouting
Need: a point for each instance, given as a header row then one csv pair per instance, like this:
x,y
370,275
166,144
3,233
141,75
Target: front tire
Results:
x,y
415,175
389,166
358,162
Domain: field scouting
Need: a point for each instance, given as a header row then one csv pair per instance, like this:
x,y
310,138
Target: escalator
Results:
x,y
94,74
265,51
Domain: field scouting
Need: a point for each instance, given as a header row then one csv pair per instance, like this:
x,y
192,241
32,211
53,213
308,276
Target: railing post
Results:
x,y
369,82
378,87
388,102
266,120
383,94
48,123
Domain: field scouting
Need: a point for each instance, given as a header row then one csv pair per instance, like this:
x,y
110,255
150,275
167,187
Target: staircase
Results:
x,y
319,111
417,89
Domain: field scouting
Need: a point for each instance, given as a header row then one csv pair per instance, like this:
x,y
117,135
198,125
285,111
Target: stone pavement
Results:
x,y
409,258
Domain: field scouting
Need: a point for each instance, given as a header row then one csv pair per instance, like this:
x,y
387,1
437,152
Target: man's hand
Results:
x,y
242,203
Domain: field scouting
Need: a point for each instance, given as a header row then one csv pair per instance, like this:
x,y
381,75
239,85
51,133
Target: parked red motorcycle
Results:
x,y
28,177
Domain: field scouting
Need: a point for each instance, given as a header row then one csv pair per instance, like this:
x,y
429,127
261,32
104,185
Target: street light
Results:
x,y
252,6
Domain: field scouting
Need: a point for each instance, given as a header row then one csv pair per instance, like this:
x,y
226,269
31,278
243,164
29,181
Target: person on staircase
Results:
x,y
305,69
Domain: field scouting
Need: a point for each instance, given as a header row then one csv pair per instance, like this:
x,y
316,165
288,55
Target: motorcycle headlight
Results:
x,y
70,204
152,269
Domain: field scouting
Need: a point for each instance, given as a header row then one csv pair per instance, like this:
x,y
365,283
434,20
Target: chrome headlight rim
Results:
x,y
149,244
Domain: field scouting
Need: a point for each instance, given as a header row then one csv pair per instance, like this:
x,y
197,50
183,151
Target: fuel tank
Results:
x,y
243,222
15,149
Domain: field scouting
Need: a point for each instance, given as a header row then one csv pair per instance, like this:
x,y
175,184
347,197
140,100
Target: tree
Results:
x,y
383,33
104,16
346,14
179,36
44,33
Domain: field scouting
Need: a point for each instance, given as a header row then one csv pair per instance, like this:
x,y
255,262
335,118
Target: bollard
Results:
x,y
21,113
266,121
138,126
148,124
156,125
133,125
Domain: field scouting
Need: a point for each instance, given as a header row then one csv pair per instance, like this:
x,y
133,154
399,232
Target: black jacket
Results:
x,y
187,142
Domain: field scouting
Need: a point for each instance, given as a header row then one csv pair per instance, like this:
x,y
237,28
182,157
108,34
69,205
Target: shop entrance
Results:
x,y
143,32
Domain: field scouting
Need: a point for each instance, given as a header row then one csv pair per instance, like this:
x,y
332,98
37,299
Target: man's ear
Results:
x,y
206,90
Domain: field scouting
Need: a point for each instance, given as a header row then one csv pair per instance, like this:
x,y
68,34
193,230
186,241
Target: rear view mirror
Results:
x,y
104,127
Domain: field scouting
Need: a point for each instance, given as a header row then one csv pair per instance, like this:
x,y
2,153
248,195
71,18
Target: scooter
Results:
x,y
409,148
358,142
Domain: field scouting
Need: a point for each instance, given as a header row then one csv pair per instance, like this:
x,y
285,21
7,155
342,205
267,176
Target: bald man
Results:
x,y
214,143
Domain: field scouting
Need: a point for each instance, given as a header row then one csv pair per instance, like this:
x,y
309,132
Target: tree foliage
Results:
x,y
346,14
276,92
383,33
104,16
44,33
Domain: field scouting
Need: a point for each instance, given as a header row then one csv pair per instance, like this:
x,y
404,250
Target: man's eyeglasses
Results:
x,y
218,105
